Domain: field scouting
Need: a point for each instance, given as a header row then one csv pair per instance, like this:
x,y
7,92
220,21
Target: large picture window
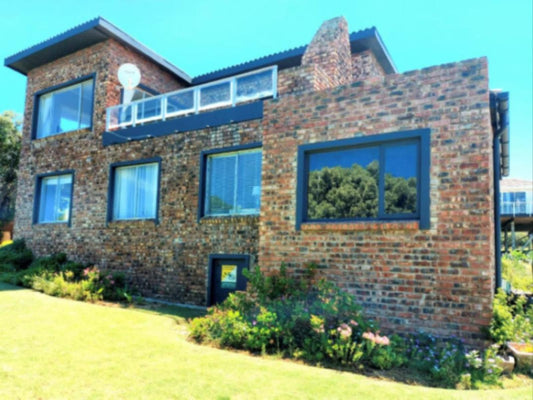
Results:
x,y
232,182
64,109
135,189
383,177
54,198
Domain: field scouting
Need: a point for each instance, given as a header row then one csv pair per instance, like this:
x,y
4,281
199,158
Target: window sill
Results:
x,y
135,222
53,223
372,226
229,219
61,135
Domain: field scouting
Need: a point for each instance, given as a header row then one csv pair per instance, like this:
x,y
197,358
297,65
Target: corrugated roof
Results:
x,y
81,36
365,39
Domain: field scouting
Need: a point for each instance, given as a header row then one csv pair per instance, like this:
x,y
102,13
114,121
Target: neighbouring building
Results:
x,y
516,207
320,154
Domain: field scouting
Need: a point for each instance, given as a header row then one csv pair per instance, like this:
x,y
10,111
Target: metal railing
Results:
x,y
517,208
222,93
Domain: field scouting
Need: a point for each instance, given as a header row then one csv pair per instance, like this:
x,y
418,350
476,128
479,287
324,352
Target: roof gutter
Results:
x,y
499,105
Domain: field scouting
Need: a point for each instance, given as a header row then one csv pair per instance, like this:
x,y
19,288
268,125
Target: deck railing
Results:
x,y
517,208
227,92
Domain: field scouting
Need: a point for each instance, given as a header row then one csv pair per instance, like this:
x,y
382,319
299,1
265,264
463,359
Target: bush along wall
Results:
x,y
315,321
57,276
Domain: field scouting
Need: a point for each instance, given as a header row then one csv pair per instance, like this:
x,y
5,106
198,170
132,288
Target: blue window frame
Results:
x,y
53,198
230,181
134,190
374,178
63,108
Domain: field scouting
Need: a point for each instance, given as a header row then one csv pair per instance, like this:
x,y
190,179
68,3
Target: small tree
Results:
x,y
10,142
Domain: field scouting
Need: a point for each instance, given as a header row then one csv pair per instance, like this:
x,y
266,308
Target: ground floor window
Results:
x,y
382,177
54,198
135,190
231,182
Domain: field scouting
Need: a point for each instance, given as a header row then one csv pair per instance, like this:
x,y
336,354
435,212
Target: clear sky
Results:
x,y
204,35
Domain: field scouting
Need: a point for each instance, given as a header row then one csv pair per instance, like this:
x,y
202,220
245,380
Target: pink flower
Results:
x,y
369,335
345,331
353,323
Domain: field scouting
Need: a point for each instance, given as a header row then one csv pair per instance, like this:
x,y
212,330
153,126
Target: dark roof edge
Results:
x,y
378,48
104,27
366,39
9,61
124,37
284,59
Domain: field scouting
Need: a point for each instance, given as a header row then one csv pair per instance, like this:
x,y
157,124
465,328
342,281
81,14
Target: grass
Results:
x,y
518,273
52,348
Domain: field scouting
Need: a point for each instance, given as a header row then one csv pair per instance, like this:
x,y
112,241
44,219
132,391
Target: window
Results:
x,y
383,177
65,108
231,181
54,198
135,190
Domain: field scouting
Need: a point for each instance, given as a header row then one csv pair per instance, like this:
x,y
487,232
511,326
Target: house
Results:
x,y
323,153
516,207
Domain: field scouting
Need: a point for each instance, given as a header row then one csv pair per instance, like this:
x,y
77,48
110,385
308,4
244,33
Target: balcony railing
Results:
x,y
222,93
517,208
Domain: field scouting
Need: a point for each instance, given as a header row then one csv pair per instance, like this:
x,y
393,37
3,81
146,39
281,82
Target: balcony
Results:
x,y
517,208
223,93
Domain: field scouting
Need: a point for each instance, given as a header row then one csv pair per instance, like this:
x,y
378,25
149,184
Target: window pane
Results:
x,y
214,94
135,192
343,184
124,195
86,104
254,86
54,200
46,113
65,109
220,193
146,191
63,201
401,163
249,182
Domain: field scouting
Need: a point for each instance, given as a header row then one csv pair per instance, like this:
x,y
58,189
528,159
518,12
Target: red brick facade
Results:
x,y
440,280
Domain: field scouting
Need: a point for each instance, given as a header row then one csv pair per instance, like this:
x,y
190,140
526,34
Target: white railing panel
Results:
x,y
222,93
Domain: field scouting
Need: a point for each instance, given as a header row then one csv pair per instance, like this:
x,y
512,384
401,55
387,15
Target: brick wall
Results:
x,y
439,280
167,260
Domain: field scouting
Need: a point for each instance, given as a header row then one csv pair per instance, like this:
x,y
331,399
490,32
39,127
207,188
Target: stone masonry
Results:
x,y
439,280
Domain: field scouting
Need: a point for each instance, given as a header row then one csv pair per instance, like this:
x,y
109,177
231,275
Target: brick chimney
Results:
x,y
329,53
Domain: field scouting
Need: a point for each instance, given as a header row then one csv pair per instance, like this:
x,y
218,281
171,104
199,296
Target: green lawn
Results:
x,y
52,348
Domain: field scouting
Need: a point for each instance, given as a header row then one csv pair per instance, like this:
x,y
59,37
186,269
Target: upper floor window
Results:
x,y
385,177
64,109
54,198
135,189
231,182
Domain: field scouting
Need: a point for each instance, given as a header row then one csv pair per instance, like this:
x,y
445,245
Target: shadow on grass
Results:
x,y
173,311
6,287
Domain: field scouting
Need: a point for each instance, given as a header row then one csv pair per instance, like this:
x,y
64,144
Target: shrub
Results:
x,y
512,319
15,256
300,317
57,276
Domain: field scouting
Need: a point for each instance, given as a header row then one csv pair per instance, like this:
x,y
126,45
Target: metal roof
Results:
x,y
99,30
80,37
367,39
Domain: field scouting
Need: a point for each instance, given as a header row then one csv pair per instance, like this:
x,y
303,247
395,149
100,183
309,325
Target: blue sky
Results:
x,y
204,35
